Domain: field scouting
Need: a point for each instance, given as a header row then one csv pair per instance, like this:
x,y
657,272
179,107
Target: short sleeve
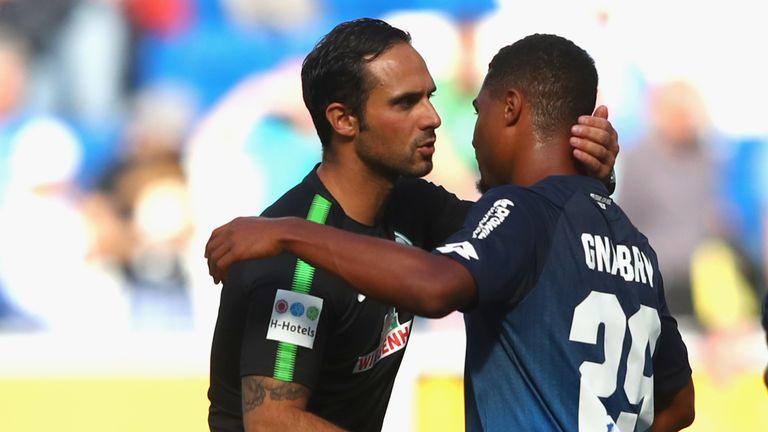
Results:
x,y
496,244
285,331
671,369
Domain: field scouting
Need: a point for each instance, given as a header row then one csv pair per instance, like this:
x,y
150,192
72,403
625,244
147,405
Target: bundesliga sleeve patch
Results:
x,y
493,218
294,318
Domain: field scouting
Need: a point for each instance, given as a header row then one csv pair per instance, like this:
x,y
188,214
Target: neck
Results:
x,y
544,159
359,191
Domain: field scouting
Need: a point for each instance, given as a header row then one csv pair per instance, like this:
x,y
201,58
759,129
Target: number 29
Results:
x,y
601,379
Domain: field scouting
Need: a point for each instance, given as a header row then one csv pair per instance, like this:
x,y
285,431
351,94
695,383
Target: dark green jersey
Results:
x,y
281,318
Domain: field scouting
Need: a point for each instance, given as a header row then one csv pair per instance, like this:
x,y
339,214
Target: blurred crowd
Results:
x,y
129,129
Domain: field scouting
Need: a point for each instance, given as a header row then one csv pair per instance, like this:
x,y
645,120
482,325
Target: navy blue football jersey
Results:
x,y
571,330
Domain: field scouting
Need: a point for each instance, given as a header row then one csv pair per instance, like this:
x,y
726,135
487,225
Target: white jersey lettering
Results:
x,y
629,262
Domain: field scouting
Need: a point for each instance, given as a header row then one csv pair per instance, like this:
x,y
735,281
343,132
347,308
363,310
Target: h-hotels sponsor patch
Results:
x,y
294,318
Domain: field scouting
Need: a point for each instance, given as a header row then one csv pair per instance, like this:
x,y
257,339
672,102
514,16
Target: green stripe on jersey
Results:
x,y
318,211
302,276
302,283
286,359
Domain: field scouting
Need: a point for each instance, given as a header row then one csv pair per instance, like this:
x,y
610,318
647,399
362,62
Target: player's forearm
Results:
x,y
676,412
289,420
407,277
270,404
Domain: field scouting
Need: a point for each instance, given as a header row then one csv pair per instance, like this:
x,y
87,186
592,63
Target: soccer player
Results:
x,y
567,325
297,348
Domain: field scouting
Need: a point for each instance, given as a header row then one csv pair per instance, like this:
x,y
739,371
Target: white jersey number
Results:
x,y
601,379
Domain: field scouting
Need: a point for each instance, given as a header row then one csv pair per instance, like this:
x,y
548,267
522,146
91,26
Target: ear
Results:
x,y
341,119
513,106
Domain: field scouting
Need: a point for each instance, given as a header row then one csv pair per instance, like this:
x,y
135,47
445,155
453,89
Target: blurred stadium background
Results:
x,y
130,129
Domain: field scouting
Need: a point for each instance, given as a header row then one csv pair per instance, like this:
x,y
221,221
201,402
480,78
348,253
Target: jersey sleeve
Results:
x,y
497,245
671,370
286,328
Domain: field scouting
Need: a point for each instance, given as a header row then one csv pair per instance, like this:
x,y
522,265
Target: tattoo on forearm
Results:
x,y
253,393
255,389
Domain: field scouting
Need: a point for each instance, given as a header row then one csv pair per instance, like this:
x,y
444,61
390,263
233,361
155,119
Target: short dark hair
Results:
x,y
333,71
557,77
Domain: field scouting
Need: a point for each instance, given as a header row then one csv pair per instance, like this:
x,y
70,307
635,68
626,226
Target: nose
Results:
x,y
432,118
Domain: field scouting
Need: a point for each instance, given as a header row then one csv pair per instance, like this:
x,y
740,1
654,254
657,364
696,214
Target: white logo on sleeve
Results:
x,y
493,218
294,318
463,249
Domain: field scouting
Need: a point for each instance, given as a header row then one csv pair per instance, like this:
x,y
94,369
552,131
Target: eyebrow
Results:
x,y
474,104
411,95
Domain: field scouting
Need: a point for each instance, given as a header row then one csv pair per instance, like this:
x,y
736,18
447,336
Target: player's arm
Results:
x,y
673,389
765,328
596,145
426,284
269,402
270,405
674,412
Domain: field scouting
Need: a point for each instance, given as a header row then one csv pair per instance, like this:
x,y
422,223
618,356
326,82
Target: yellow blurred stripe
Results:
x,y
440,404
147,404
739,404
118,404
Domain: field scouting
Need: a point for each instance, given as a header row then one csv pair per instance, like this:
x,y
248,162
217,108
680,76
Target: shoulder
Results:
x,y
504,203
508,196
272,271
295,202
415,189
262,278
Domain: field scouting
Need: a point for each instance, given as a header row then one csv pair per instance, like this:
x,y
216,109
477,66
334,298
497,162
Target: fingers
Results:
x,y
597,131
595,122
218,262
599,120
592,148
595,144
217,234
594,129
209,245
229,243
218,245
592,164
601,111
212,268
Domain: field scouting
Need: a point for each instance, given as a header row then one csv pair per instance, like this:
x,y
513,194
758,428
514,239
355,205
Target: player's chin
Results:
x,y
422,168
